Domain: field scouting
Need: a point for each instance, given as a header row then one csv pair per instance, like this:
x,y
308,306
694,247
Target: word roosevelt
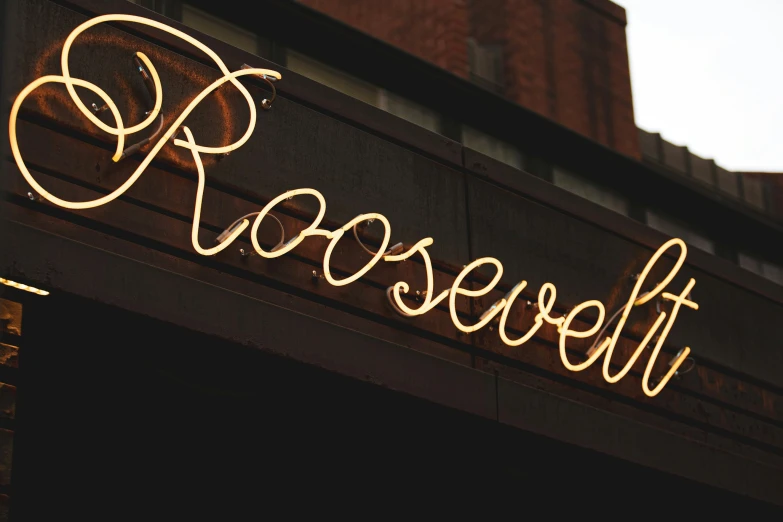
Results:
x,y
503,307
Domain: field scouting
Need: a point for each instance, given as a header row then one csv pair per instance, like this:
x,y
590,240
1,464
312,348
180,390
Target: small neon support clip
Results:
x,y
266,103
152,83
391,251
98,110
489,310
229,231
675,372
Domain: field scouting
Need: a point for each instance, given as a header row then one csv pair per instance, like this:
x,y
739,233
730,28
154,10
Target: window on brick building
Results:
x,y
409,110
220,29
591,191
765,269
675,228
362,90
331,77
486,65
492,147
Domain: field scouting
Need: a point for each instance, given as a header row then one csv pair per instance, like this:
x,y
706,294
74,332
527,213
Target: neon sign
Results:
x,y
502,307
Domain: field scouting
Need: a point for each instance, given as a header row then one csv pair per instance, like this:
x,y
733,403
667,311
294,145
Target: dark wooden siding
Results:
x,y
721,424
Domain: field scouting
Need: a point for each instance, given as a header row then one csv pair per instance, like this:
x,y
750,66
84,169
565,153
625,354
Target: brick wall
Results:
x,y
565,59
435,30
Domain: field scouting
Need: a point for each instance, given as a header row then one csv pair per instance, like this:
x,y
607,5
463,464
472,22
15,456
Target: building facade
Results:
x,y
565,60
207,318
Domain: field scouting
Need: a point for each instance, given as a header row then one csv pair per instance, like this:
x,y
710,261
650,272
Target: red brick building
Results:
x,y
565,59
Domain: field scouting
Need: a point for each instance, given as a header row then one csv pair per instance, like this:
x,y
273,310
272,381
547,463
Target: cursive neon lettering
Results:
x,y
678,302
547,293
544,306
566,332
197,210
337,234
394,292
636,300
456,290
289,245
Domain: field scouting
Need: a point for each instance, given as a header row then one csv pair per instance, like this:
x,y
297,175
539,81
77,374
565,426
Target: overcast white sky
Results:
x,y
709,74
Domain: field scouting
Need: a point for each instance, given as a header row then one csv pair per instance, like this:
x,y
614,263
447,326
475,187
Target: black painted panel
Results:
x,y
292,146
733,327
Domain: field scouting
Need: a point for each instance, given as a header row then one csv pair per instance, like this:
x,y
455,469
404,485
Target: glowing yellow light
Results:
x,y
678,301
547,293
120,131
420,246
668,279
337,234
546,307
543,314
635,300
609,342
456,290
672,297
675,366
289,245
429,303
566,332
197,210
21,286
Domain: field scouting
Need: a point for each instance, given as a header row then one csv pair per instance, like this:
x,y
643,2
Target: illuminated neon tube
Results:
x,y
602,347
